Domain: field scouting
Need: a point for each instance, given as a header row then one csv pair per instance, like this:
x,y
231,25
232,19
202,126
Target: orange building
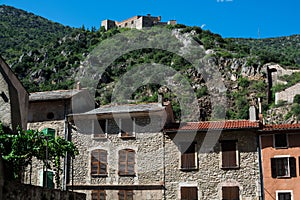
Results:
x,y
280,156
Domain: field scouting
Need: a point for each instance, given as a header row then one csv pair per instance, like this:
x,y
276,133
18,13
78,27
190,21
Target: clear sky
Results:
x,y
229,18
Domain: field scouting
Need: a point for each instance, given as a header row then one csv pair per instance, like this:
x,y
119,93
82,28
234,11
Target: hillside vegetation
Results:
x,y
46,55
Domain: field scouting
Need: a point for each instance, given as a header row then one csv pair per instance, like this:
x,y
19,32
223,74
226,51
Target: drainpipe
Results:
x,y
260,168
66,136
164,164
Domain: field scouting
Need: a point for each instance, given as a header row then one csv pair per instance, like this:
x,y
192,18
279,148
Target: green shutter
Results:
x,y
49,132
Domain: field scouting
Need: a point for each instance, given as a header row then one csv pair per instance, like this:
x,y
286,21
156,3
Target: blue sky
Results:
x,y
229,18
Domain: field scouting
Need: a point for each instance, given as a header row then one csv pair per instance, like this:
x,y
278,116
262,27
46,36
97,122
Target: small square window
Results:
x,y
284,195
230,193
188,193
280,141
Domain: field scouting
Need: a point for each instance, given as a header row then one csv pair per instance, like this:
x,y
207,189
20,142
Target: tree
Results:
x,y
18,150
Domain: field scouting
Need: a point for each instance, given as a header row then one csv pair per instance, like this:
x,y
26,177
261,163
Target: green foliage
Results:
x,y
296,99
243,82
18,150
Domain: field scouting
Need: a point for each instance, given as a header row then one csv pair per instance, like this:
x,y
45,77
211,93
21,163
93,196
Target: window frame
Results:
x,y
291,166
284,191
123,134
189,188
103,135
127,164
99,163
98,193
185,154
126,193
286,139
222,154
231,187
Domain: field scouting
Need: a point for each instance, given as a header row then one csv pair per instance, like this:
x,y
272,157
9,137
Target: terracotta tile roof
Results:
x,y
273,127
216,125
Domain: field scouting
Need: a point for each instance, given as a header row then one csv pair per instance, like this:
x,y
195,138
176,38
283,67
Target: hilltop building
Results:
x,y
137,22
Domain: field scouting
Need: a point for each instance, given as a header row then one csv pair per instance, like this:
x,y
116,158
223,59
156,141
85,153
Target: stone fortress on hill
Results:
x,y
137,22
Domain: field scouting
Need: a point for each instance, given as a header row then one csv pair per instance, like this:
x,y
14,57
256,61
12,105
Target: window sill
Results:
x,y
229,168
127,175
281,147
99,175
189,169
283,177
127,137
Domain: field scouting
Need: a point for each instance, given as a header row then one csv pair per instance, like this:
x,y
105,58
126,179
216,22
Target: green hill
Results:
x,y
45,55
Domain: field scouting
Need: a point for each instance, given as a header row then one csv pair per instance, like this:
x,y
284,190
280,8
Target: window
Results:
x,y
127,129
283,167
189,193
229,154
284,195
126,162
280,141
230,193
125,195
188,156
100,128
98,195
99,162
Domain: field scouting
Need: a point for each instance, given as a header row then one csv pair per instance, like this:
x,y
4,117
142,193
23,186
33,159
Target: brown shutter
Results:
x,y
294,140
273,168
230,193
126,162
189,193
188,157
292,162
99,162
229,154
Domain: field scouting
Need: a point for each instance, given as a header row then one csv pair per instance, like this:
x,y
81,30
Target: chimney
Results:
x,y
78,86
252,113
260,115
160,99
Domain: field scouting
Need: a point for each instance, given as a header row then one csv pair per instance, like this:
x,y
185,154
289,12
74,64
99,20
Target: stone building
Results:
x,y
13,99
212,160
137,22
48,112
121,151
280,150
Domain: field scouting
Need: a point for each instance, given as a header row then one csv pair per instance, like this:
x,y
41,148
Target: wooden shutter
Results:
x,y
126,162
189,193
125,195
273,168
229,154
99,162
292,162
230,193
188,157
98,195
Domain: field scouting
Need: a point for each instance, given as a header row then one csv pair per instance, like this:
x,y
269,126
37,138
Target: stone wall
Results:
x,y
5,109
149,167
209,178
16,191
288,94
33,177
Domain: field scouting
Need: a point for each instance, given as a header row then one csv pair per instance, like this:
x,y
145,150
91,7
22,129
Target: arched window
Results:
x,y
99,162
126,162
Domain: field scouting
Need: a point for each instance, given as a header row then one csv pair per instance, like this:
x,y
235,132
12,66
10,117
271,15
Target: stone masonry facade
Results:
x,y
149,166
209,177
